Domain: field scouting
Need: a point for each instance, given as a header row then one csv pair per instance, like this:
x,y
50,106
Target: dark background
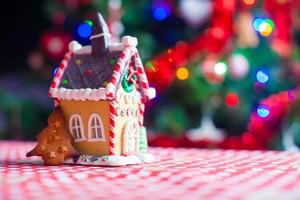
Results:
x,y
21,24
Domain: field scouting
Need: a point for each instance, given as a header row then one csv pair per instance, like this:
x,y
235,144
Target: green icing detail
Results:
x,y
127,86
65,82
143,140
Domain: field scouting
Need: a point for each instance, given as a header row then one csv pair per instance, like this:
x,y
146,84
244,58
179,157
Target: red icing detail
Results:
x,y
112,122
145,85
109,95
140,70
113,80
112,110
117,68
53,85
122,55
89,72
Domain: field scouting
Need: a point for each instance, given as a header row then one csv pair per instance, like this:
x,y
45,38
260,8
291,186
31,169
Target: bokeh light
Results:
x,y
55,45
263,111
270,22
249,2
256,23
161,10
89,22
262,76
182,73
265,29
220,68
84,30
264,26
232,99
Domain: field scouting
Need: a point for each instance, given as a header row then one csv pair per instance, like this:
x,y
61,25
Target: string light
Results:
x,y
150,67
270,22
263,111
265,29
89,22
262,77
264,26
232,99
182,73
161,10
249,2
220,68
84,30
256,23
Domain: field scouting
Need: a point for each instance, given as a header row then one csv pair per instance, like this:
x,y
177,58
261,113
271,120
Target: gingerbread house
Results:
x,y
102,89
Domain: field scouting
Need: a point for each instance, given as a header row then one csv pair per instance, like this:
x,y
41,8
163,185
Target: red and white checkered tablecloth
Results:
x,y
176,174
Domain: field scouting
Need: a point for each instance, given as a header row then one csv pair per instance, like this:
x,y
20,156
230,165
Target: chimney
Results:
x,y
100,36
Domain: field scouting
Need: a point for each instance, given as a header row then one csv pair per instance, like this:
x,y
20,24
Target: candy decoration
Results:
x,y
59,73
112,61
143,140
89,72
127,85
65,82
112,124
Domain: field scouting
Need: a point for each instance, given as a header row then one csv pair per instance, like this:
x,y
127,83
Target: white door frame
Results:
x,y
131,137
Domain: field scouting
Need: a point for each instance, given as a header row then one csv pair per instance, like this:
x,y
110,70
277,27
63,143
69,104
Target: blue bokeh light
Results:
x,y
84,30
256,23
262,77
263,111
161,12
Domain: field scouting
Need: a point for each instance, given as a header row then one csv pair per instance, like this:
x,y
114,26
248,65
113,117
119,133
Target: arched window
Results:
x,y
96,130
76,128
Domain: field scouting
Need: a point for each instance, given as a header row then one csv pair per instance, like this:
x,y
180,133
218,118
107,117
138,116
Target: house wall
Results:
x,y
85,109
130,109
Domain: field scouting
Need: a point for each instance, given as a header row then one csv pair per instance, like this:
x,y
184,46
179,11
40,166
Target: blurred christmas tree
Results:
x,y
212,62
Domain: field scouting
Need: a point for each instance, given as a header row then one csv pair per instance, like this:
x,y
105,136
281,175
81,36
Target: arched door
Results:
x,y
131,135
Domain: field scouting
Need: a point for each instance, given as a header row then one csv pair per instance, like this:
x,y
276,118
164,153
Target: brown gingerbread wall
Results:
x,y
85,109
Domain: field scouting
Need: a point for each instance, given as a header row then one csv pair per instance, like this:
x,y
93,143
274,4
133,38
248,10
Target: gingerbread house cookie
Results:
x,y
102,90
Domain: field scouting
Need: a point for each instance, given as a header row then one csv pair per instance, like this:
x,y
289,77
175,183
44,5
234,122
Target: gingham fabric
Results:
x,y
176,174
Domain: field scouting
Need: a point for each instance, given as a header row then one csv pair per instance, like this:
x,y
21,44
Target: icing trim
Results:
x,y
101,136
128,45
127,41
74,120
79,94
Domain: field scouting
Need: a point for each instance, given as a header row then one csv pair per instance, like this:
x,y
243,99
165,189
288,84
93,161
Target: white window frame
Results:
x,y
101,136
79,135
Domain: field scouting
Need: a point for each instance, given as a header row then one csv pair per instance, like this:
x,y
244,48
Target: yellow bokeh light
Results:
x,y
249,2
265,29
182,73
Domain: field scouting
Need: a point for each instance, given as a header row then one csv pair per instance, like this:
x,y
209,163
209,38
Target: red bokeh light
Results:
x,y
232,99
